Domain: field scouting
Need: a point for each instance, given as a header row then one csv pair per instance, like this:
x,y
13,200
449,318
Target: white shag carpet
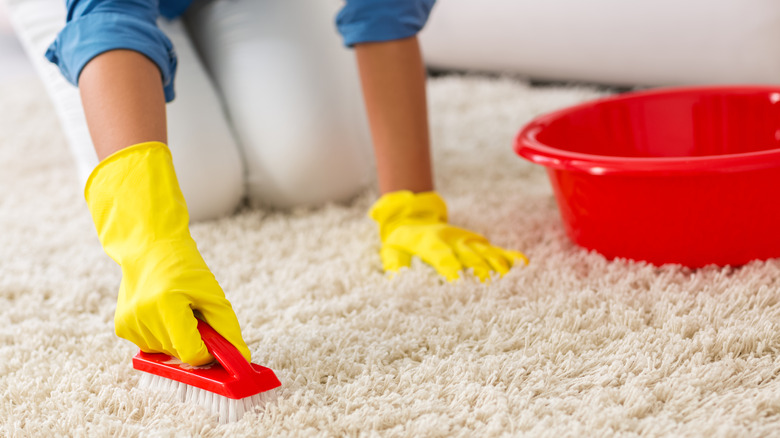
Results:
x,y
572,345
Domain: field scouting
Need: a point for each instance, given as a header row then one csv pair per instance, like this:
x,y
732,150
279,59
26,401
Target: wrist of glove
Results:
x,y
416,225
142,222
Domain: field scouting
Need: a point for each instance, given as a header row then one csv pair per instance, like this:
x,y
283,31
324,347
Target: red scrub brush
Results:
x,y
228,388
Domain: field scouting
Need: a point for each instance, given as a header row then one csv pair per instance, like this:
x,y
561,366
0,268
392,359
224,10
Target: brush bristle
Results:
x,y
226,409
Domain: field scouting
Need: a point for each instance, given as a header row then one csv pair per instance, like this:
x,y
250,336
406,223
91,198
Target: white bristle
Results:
x,y
226,409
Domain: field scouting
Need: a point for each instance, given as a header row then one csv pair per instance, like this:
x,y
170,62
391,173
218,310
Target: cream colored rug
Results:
x,y
572,345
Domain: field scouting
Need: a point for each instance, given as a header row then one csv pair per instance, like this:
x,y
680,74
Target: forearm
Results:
x,y
123,101
393,80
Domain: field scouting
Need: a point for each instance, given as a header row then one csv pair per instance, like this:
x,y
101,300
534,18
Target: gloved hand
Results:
x,y
143,224
416,225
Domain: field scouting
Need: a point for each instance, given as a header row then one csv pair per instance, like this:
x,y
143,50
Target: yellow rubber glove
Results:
x,y
416,225
143,224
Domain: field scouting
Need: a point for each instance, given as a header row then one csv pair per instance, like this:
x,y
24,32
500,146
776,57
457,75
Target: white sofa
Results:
x,y
620,42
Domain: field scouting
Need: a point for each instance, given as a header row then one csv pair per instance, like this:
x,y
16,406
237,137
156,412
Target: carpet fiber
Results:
x,y
572,345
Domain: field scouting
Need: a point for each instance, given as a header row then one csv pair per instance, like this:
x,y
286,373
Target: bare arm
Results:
x,y
393,79
123,101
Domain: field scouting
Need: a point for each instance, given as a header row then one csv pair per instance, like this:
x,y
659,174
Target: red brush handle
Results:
x,y
225,353
234,378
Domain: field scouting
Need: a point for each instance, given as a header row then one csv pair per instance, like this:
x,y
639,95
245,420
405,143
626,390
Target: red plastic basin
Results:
x,y
682,175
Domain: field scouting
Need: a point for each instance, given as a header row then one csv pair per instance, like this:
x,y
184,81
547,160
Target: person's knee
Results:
x,y
310,167
293,97
207,159
212,184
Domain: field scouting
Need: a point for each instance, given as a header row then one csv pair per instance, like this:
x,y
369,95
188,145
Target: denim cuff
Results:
x,y
90,35
362,21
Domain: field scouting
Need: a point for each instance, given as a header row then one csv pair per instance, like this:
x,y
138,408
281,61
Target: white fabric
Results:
x,y
571,346
308,140
622,42
292,93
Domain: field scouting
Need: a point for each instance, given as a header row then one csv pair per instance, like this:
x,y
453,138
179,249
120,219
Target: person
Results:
x,y
302,145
